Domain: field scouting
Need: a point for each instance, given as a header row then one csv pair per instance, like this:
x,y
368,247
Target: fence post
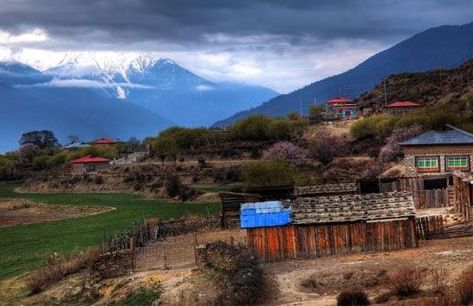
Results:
x,y
132,251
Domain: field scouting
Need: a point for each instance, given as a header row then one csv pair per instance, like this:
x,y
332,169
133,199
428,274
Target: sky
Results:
x,y
282,44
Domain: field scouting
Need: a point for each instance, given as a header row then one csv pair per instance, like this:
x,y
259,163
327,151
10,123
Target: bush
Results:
x,y
251,128
142,296
58,159
285,151
264,128
40,162
57,267
353,298
327,147
173,185
464,287
392,150
376,126
241,272
267,173
406,281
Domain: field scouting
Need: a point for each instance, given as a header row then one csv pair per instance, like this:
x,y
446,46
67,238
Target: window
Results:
x,y
427,162
457,162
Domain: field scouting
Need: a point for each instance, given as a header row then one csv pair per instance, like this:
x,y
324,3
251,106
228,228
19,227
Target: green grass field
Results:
x,y
24,247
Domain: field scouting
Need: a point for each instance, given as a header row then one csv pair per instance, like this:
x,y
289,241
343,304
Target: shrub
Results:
x,y
173,185
285,151
353,298
40,162
392,151
251,128
376,126
327,147
58,159
464,287
57,267
406,281
267,173
143,296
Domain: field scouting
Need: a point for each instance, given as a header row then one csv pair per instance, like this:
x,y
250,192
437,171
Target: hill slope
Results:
x,y
440,47
444,86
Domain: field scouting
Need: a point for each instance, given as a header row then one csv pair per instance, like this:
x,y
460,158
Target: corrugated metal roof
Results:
x,y
351,208
264,214
451,136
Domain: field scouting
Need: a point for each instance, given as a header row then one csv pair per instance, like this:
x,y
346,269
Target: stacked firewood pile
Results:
x,y
175,227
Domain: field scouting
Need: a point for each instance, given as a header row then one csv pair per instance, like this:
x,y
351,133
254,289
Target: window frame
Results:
x,y
460,167
430,168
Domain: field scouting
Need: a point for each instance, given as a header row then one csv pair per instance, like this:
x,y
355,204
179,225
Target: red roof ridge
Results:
x,y
89,159
403,104
339,99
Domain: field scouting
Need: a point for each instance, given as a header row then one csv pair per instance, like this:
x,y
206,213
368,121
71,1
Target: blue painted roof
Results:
x,y
451,136
264,214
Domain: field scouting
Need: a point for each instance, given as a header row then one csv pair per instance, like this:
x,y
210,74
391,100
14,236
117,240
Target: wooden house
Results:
x,y
438,152
342,108
401,107
332,225
88,163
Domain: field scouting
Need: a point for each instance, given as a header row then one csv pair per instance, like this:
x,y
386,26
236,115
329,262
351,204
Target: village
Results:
x,y
309,217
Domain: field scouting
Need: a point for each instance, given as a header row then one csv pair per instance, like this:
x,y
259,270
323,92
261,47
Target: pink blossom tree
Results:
x,y
327,147
286,151
392,151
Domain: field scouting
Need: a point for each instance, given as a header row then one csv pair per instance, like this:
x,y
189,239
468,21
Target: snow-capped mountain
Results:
x,y
118,97
159,85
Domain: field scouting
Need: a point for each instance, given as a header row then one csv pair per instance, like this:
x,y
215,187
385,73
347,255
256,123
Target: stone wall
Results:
x,y
112,264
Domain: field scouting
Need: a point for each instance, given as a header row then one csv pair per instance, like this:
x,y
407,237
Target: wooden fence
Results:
x,y
310,241
431,198
434,198
430,227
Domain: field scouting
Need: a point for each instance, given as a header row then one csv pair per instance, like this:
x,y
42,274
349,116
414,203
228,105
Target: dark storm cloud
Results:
x,y
222,22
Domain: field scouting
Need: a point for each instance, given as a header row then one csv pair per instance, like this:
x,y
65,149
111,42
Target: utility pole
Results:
x,y
300,108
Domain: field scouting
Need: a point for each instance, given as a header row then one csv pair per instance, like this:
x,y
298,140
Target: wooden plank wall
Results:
x,y
429,227
463,194
310,241
433,198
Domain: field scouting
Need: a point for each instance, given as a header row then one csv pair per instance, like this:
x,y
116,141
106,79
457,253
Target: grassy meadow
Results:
x,y
24,247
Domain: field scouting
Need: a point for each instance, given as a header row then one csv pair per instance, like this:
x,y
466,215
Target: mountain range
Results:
x,y
83,97
439,47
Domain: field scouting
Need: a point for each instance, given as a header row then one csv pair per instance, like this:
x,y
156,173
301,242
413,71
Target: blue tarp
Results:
x,y
264,214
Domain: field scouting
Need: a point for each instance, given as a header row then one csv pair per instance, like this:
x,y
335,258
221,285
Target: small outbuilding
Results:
x,y
89,163
401,107
331,225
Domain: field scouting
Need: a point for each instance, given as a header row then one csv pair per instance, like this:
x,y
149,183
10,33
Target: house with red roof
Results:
x,y
342,108
105,141
401,107
89,163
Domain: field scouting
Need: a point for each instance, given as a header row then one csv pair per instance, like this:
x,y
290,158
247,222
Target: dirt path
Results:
x,y
318,281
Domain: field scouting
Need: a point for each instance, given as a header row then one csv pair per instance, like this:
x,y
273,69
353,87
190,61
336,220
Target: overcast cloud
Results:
x,y
283,44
